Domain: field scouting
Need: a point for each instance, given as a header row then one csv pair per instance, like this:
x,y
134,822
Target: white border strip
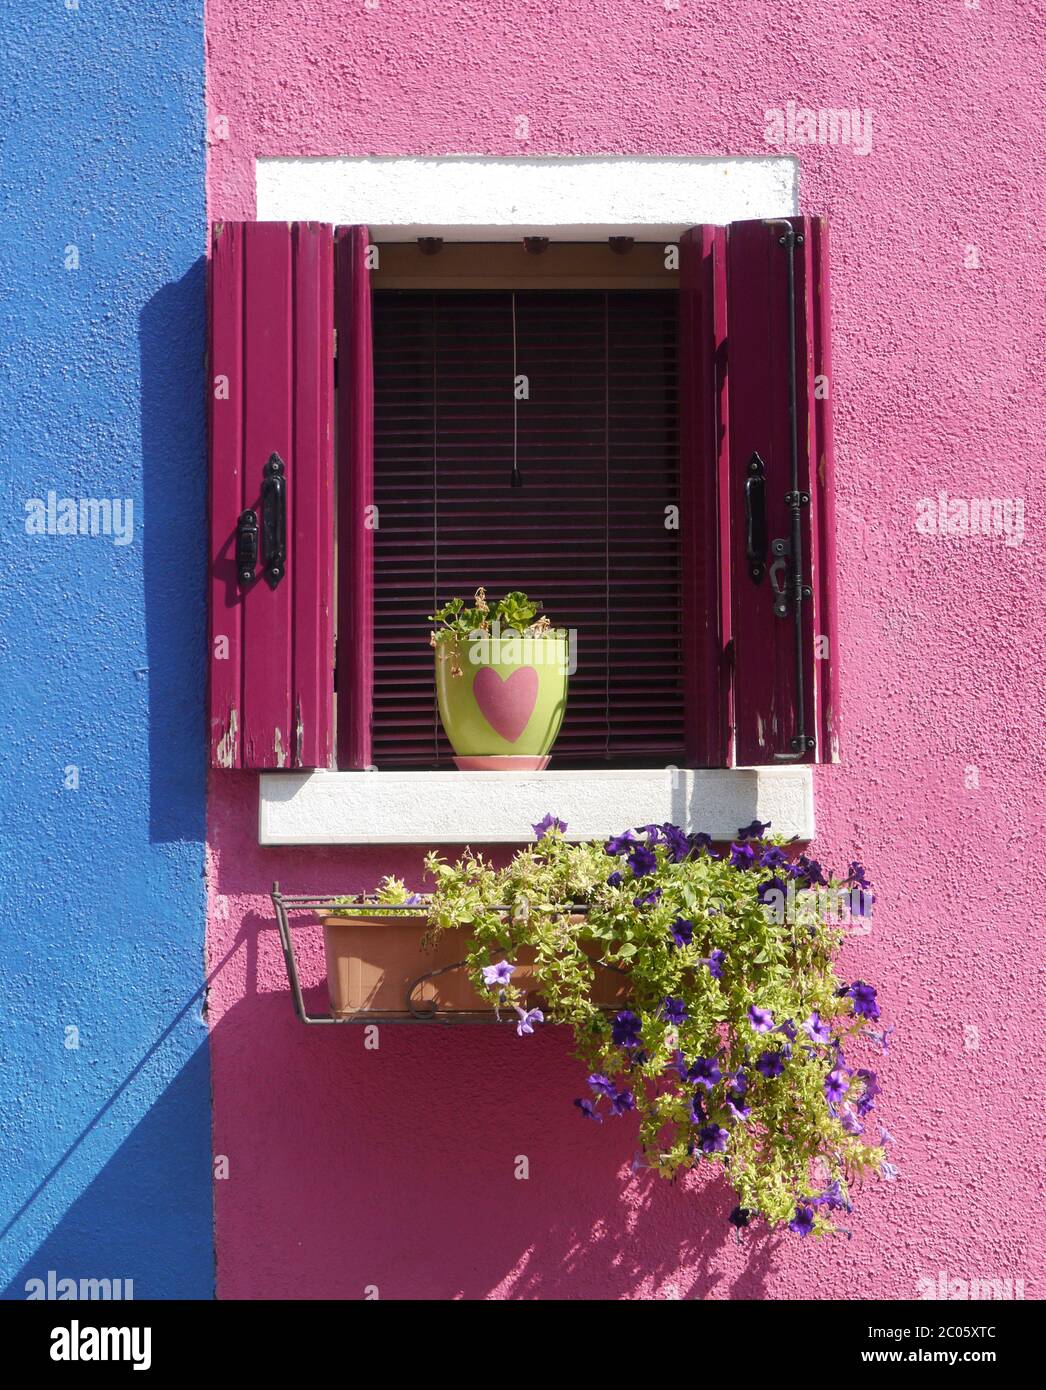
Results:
x,y
455,808
476,198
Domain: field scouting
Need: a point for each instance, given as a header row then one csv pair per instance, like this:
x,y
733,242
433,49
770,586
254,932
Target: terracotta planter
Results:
x,y
372,962
508,702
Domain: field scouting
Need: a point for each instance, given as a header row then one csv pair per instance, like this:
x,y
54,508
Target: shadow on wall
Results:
x,y
171,337
130,1222
354,1169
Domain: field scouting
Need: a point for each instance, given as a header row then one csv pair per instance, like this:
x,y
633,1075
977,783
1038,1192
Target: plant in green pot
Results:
x,y
501,681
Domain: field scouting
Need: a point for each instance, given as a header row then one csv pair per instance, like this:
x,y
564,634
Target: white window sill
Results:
x,y
482,808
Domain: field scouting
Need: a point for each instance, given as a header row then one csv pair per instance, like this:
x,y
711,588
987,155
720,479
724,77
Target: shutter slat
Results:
x,y
225,657
313,703
356,498
704,491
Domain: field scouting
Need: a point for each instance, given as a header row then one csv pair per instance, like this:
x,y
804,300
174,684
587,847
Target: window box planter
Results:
x,y
376,966
717,1017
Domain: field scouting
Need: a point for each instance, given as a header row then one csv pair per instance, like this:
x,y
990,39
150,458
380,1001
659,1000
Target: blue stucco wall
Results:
x,y
105,1169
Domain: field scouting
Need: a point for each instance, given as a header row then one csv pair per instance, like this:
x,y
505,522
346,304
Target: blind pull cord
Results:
x,y
517,478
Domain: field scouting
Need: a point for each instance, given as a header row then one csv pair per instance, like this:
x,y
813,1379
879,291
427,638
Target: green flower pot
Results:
x,y
508,707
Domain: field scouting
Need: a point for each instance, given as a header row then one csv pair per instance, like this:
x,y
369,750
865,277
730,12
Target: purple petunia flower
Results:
x,y
802,1223
737,1105
888,1171
619,844
622,1102
625,1029
674,1011
549,822
857,875
773,858
642,860
602,1085
883,1038
850,1122
527,1021
836,1085
705,1072
755,831
864,1000
885,1137
811,870
770,1064
682,931
771,885
742,856
713,1139
715,963
500,974
788,1028
697,1110
832,1198
701,841
762,1020
872,1088
615,880
646,899
675,842
816,1029
588,1109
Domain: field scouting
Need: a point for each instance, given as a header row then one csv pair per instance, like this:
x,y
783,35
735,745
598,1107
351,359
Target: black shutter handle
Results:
x,y
274,520
246,547
757,537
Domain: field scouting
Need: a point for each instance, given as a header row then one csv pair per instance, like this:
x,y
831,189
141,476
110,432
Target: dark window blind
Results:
x,y
598,450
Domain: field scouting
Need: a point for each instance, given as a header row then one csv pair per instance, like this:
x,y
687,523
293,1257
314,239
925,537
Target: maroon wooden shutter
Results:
x,y
782,603
704,483
357,517
271,454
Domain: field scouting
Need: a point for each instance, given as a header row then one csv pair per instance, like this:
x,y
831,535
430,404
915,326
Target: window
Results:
x,y
709,645
592,529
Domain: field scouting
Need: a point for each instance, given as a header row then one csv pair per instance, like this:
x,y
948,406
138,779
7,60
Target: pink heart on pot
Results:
x,y
506,705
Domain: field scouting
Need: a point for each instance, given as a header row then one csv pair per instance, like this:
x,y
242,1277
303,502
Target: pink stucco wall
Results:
x,y
394,1168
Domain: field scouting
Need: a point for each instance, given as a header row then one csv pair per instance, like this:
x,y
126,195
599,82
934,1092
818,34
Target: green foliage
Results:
x,y
784,1143
459,622
390,892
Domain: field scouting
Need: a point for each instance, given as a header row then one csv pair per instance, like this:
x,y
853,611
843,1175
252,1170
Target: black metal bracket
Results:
x,y
755,519
414,1010
246,547
274,520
